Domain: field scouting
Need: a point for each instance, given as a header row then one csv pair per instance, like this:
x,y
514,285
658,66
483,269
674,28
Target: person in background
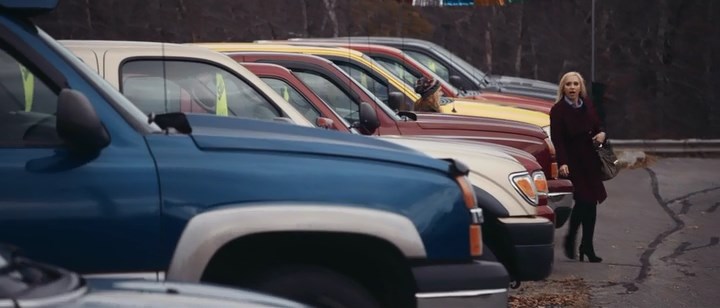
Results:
x,y
429,90
575,131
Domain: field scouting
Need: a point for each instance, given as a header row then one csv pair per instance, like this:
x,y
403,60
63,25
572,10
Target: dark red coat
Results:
x,y
572,130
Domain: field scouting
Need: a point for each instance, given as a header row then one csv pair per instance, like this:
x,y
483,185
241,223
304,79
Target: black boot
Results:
x,y
588,223
589,251
575,220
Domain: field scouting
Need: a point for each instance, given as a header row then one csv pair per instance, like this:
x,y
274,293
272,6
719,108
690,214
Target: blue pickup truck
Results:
x,y
90,183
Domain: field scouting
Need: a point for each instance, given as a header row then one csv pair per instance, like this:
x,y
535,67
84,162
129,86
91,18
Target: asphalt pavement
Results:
x,y
658,234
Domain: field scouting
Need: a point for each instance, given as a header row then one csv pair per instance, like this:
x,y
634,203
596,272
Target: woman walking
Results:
x,y
575,129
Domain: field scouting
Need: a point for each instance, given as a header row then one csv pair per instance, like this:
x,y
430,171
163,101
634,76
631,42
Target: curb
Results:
x,y
669,146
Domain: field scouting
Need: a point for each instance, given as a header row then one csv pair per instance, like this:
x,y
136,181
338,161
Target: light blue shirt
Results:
x,y
579,104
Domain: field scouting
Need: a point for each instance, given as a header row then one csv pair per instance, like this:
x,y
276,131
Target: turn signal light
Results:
x,y
476,244
467,191
525,185
541,183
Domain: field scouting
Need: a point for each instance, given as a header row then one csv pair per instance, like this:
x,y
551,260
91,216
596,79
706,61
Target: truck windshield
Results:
x,y
478,74
398,70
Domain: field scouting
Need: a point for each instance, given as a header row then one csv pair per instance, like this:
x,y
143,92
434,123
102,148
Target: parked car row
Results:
x,y
389,92
141,77
283,169
453,69
409,70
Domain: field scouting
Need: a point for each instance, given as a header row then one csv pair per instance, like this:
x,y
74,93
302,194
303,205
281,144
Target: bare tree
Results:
x,y
521,34
330,7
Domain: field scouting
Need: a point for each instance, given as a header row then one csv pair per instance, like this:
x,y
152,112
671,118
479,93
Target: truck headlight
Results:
x,y
525,185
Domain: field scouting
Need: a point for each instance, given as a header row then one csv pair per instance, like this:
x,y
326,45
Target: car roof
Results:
x,y
228,47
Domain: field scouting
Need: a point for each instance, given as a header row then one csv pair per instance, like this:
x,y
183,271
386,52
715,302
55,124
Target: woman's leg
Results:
x,y
588,222
576,218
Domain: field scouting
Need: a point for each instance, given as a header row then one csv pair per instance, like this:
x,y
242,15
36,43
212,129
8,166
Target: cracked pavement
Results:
x,y
658,233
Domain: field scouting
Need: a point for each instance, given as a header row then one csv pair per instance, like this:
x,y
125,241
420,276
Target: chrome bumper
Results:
x,y
480,298
468,284
562,204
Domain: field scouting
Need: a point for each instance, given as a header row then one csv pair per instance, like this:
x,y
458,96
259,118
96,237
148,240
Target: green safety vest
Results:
x,y
28,87
221,106
285,93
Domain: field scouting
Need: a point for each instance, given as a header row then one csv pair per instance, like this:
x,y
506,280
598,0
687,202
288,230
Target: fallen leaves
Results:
x,y
568,292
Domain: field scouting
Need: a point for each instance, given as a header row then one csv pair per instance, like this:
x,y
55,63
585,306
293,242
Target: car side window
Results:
x,y
398,70
145,92
433,65
292,96
27,107
333,95
362,76
192,87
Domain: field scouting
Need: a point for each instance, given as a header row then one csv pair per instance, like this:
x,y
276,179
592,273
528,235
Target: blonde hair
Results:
x,y
583,90
430,103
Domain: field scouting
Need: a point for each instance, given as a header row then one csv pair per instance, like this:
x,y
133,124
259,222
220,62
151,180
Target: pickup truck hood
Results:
x,y
519,101
537,85
490,110
490,167
522,86
456,122
212,133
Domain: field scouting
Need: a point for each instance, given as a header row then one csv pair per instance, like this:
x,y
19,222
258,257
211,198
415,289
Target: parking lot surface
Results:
x,y
658,234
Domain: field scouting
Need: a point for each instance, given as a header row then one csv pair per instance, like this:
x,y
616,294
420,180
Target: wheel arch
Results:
x,y
207,233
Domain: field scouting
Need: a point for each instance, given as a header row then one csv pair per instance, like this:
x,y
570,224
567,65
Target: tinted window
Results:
x,y
293,97
434,66
397,69
27,107
333,95
192,87
375,86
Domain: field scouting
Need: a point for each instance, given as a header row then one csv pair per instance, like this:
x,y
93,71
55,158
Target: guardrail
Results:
x,y
668,146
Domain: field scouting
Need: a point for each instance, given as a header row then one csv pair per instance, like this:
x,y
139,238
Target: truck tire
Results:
x,y
315,286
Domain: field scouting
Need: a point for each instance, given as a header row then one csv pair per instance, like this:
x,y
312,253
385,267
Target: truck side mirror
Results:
x,y
396,100
369,121
78,124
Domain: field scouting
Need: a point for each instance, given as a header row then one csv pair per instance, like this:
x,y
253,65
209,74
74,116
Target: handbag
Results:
x,y
608,161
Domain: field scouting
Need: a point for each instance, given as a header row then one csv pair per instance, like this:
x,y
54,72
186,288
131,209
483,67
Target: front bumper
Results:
x,y
531,245
560,199
476,284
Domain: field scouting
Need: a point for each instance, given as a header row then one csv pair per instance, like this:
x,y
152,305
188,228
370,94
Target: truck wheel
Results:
x,y
315,286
